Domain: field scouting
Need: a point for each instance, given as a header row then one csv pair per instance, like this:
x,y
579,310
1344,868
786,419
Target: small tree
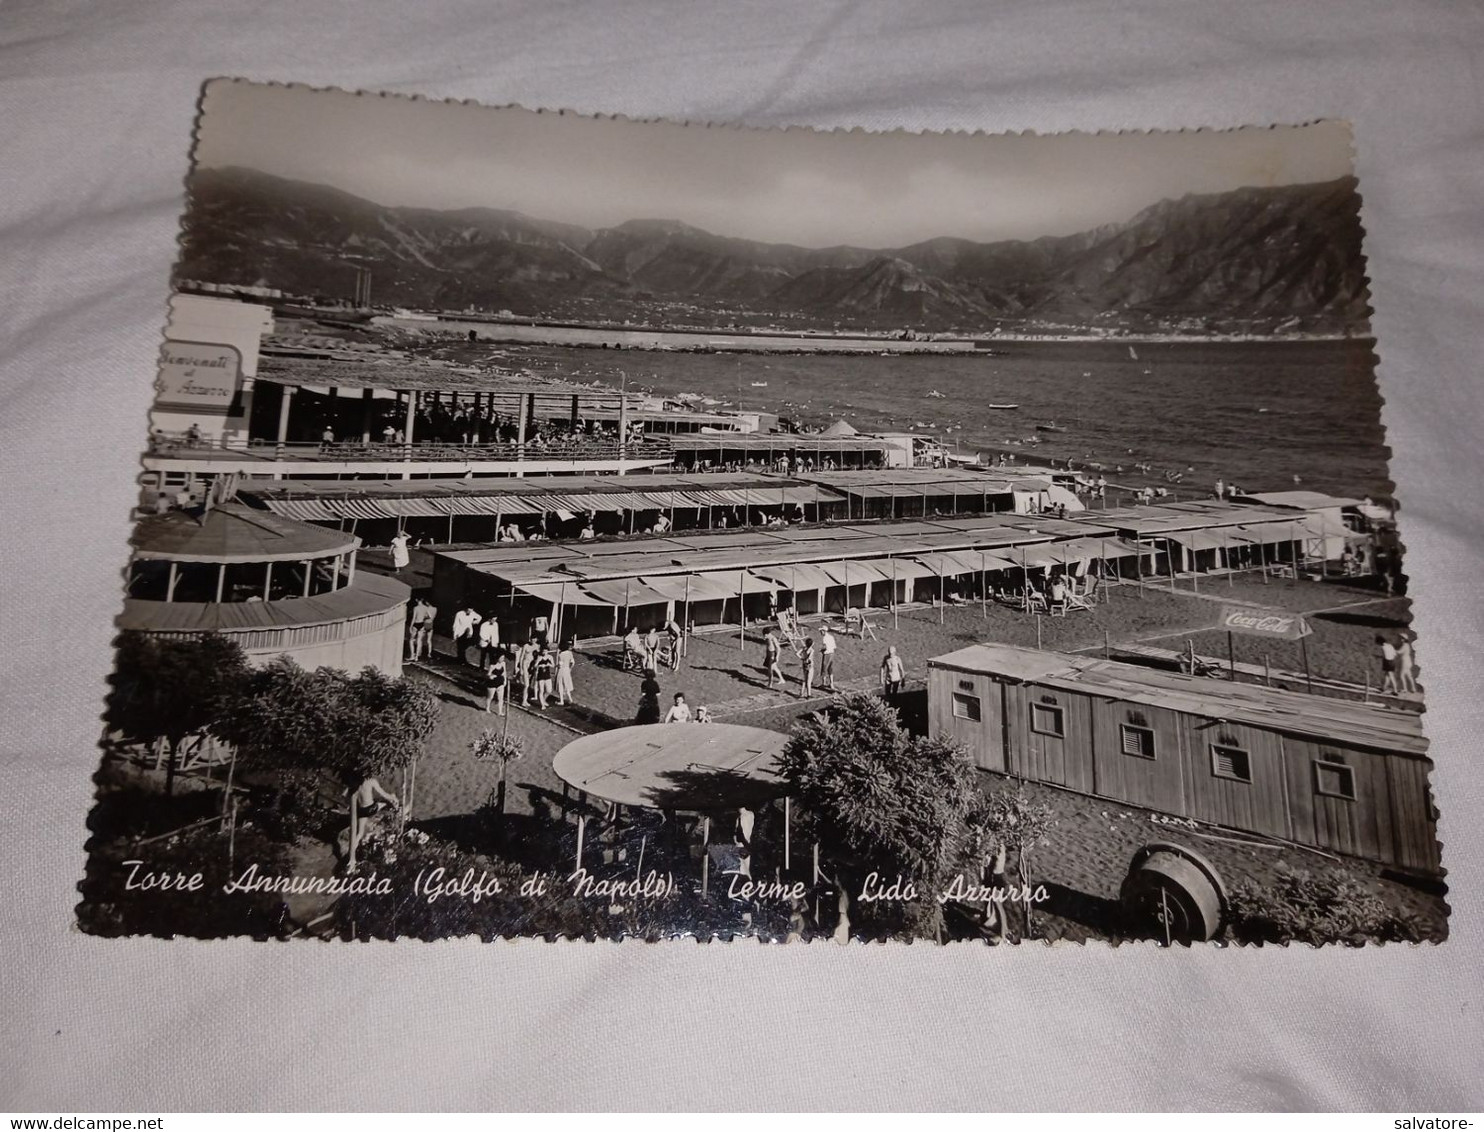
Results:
x,y
327,727
1008,819
880,800
499,747
168,689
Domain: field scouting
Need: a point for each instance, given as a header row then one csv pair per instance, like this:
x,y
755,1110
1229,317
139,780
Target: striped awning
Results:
x,y
305,510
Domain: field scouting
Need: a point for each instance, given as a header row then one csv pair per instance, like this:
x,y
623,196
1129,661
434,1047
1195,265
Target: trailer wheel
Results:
x,y
1172,894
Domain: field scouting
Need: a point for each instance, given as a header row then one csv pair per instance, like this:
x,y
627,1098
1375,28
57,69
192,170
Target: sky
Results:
x,y
792,186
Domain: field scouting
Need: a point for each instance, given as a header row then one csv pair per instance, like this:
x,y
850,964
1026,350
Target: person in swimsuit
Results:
x,y
544,670
494,683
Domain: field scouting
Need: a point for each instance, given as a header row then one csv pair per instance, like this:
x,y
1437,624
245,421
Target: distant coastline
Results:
x,y
501,332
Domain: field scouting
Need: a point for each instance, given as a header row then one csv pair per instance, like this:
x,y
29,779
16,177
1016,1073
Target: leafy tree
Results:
x,y
168,689
1010,820
878,799
497,746
327,727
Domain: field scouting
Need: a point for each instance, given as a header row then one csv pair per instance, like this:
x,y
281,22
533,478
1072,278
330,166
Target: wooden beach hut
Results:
x,y
1335,774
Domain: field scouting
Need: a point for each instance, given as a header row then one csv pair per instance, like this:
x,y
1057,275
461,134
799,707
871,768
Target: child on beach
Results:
x,y
806,668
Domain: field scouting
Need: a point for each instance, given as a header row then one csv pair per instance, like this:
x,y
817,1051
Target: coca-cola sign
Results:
x,y
1263,622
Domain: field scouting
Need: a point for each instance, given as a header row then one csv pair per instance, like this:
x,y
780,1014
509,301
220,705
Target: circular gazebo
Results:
x,y
274,585
692,767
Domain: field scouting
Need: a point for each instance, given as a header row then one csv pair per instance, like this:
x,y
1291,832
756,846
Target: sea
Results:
x,y
1266,416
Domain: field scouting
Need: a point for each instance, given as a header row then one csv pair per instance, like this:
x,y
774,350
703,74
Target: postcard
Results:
x,y
581,528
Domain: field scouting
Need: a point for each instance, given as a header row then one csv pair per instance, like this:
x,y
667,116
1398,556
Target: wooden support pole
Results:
x,y
284,405
705,856
787,832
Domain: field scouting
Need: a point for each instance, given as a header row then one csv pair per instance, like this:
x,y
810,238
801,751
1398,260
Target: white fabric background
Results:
x,y
96,107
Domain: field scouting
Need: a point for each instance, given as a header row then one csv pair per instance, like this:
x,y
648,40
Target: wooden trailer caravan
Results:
x,y
1335,774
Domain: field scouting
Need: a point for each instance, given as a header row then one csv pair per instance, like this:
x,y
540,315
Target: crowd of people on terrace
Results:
x,y
438,423
787,464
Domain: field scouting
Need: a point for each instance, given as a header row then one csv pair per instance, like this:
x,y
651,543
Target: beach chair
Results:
x,y
859,625
788,626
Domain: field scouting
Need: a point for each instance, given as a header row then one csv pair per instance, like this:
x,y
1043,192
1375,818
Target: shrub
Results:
x,y
1301,906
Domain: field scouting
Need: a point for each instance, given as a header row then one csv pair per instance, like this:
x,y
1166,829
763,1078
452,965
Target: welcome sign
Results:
x,y
198,377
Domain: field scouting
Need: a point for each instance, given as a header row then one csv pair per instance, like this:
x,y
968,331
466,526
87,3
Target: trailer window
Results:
x,y
966,707
1231,762
1046,719
1334,780
1137,741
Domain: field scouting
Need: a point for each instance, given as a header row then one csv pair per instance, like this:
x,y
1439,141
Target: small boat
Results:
x,y
1132,353
1052,427
1002,406
935,393
759,384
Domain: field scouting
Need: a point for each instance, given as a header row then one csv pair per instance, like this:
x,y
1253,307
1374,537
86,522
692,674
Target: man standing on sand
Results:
x,y
1389,657
827,647
893,672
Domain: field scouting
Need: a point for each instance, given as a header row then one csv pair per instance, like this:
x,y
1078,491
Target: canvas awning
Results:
x,y
1107,549
738,581
565,593
905,569
951,563
675,587
1205,540
804,576
856,572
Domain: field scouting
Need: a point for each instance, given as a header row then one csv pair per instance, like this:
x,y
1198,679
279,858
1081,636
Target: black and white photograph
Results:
x,y
583,528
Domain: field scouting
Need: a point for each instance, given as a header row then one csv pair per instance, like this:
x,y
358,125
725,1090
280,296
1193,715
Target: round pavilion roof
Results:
x,y
233,532
676,766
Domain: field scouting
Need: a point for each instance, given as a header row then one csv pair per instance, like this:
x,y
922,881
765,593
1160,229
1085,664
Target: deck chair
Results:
x,y
858,624
788,626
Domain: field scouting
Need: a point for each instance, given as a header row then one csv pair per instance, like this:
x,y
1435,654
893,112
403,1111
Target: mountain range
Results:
x,y
1252,259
